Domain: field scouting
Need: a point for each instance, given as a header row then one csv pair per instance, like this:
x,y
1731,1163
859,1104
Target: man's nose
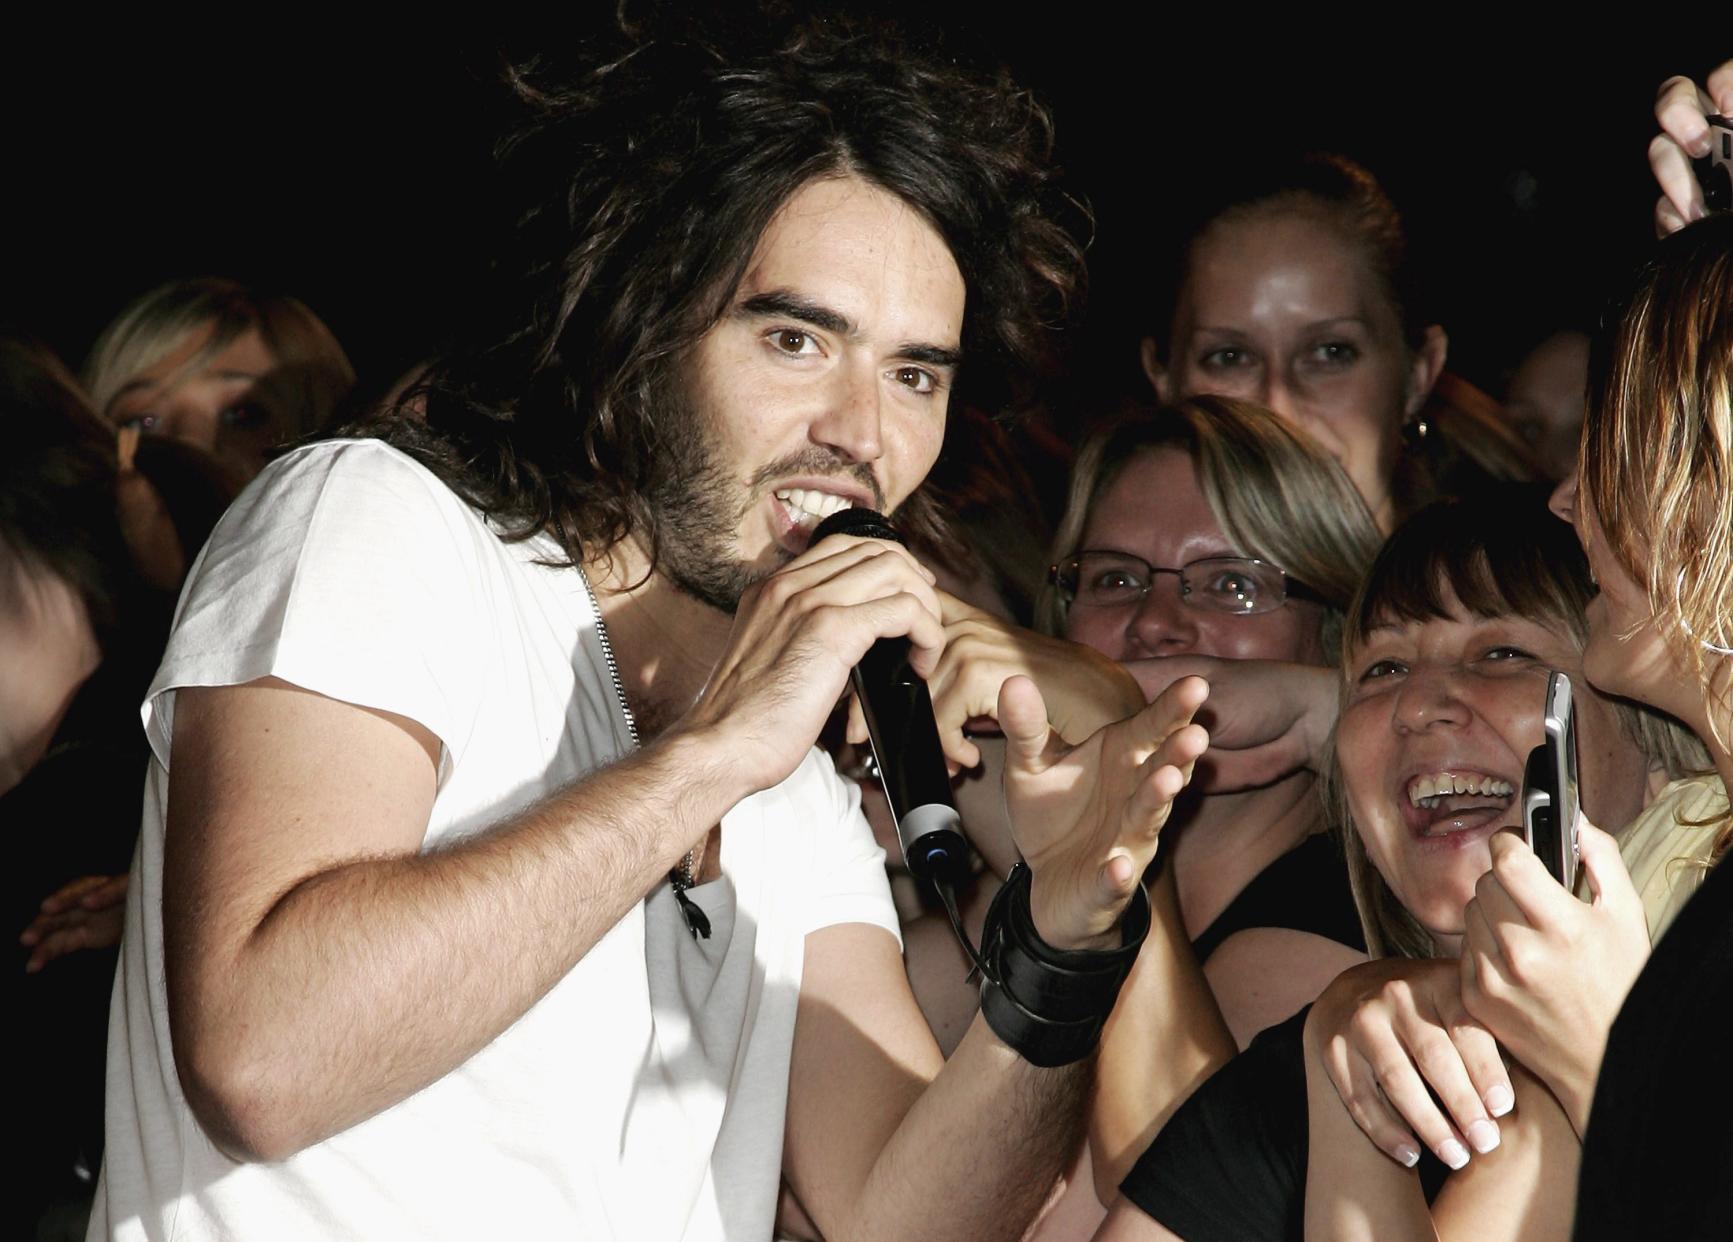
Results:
x,y
1163,624
852,422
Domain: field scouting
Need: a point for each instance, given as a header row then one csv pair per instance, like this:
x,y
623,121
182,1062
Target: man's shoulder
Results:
x,y
354,471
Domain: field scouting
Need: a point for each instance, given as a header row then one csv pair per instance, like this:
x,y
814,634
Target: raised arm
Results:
x,y
882,1141
320,967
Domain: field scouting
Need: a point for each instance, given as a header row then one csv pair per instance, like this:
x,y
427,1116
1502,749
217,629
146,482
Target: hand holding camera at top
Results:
x,y
1680,109
1545,972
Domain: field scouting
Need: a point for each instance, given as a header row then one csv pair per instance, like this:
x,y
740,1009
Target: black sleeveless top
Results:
x,y
1305,889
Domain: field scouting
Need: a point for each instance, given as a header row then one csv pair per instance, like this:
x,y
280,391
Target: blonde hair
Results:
x,y
1656,462
1278,496
1500,554
313,373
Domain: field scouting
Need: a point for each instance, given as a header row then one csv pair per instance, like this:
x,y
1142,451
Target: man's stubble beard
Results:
x,y
697,505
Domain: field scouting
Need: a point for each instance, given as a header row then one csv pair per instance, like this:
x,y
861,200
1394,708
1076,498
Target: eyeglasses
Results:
x,y
1242,586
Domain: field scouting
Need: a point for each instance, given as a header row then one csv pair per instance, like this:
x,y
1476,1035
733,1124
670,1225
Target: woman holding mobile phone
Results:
x,y
1467,610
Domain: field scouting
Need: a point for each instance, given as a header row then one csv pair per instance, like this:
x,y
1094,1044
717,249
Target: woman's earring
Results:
x,y
1417,433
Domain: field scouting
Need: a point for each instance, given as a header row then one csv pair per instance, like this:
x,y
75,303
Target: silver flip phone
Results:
x,y
1550,801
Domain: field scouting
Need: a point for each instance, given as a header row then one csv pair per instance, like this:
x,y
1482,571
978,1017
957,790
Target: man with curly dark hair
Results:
x,y
490,884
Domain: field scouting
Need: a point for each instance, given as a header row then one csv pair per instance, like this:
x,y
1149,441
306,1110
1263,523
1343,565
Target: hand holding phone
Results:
x,y
1550,800
1714,171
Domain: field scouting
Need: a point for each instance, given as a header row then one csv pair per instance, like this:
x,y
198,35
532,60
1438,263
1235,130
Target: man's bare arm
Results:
x,y
321,968
884,1139
881,1141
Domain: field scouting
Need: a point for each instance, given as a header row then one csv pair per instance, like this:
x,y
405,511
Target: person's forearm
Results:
x,y
1525,1190
1353,1190
1166,1036
367,981
979,1152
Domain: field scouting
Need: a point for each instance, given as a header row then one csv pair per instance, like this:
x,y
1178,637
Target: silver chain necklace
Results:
x,y
681,877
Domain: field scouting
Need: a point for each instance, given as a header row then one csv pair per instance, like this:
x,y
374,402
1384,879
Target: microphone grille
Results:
x,y
864,523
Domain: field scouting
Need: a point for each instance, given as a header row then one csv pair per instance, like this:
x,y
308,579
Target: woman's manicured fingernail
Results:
x,y
1409,1156
1453,1153
1499,1100
1484,1135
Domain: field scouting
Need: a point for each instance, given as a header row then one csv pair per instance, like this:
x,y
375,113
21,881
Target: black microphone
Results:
x,y
905,736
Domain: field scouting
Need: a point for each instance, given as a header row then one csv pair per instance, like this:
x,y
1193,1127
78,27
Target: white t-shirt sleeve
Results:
x,y
346,569
849,883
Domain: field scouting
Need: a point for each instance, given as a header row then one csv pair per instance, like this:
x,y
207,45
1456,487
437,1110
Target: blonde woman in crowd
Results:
x,y
216,365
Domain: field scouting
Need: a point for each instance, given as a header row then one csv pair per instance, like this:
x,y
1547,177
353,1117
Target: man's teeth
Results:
x,y
817,505
1426,791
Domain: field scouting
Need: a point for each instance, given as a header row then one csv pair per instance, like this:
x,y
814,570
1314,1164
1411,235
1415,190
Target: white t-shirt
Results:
x,y
643,1097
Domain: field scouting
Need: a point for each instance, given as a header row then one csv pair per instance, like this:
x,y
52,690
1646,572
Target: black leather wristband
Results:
x,y
1049,1004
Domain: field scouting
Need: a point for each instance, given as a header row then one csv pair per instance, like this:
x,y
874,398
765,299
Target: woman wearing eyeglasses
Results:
x,y
1211,538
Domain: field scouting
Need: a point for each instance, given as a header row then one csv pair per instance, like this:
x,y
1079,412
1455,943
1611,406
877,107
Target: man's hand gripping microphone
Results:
x,y
905,737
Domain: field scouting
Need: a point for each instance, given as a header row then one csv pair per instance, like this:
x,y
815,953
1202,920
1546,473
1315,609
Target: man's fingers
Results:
x,y
851,570
953,610
1161,781
1023,719
960,752
1171,711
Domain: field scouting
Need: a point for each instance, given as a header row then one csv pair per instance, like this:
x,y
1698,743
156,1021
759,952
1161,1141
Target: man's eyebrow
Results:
x,y
784,305
781,304
932,355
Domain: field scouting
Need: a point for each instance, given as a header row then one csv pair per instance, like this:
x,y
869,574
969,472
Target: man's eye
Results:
x,y
794,341
917,379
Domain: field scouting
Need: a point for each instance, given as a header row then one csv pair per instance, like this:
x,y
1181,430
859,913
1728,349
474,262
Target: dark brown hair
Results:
x,y
639,187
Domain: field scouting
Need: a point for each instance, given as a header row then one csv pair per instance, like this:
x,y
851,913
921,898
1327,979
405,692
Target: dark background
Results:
x,y
354,173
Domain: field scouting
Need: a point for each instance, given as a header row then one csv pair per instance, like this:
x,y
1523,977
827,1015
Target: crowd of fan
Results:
x,y
1354,548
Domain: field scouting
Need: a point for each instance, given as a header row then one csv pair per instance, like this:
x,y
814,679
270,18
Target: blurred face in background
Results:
x,y
1280,308
47,650
1544,402
220,404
